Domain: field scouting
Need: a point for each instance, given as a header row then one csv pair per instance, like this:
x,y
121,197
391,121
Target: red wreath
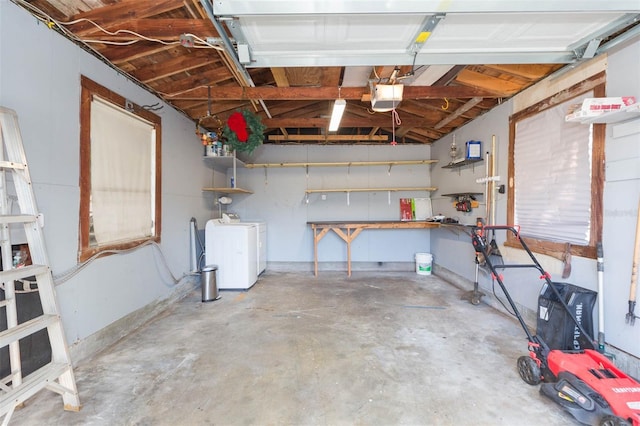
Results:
x,y
238,124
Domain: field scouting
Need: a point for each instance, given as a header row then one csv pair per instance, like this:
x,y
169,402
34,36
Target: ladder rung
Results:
x,y
20,218
4,302
33,383
24,272
26,328
12,165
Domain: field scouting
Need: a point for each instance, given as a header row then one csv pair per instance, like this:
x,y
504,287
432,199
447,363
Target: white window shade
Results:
x,y
552,176
122,174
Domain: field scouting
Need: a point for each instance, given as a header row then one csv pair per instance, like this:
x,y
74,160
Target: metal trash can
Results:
x,y
209,284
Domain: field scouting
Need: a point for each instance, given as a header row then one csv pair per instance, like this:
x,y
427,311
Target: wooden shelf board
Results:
x,y
228,190
309,191
342,164
462,163
459,194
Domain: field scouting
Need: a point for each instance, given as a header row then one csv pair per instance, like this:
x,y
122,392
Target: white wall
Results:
x,y
40,79
621,198
279,198
454,252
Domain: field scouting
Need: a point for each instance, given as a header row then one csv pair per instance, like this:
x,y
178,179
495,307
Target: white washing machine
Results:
x,y
262,244
234,219
232,247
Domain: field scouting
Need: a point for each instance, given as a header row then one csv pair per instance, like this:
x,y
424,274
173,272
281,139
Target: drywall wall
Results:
x,y
40,79
453,250
621,201
279,199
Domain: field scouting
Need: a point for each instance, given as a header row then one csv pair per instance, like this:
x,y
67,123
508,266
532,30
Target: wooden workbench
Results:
x,y
348,231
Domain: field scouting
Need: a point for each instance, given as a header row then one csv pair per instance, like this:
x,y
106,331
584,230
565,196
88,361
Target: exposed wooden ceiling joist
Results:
x,y
346,122
327,93
332,138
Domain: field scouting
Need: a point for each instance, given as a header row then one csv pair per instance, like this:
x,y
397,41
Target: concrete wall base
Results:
x,y
111,334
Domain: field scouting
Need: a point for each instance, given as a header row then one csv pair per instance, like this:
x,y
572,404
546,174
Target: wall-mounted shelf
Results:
x,y
622,114
342,164
309,191
223,163
463,163
228,190
462,194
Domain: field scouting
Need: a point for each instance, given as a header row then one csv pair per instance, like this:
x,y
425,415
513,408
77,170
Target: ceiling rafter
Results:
x,y
123,11
346,122
172,66
458,112
167,29
325,93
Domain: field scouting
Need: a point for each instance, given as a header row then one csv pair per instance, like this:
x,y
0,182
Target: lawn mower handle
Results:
x,y
480,246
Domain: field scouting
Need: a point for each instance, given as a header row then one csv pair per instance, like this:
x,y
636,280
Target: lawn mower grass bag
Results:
x,y
555,325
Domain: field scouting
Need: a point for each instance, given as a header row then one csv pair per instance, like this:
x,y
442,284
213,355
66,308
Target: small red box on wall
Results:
x,y
406,208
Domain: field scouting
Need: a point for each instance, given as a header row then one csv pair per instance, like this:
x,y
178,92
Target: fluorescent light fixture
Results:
x,y
336,114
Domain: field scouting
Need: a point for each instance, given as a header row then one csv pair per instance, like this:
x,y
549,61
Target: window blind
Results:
x,y
552,176
122,174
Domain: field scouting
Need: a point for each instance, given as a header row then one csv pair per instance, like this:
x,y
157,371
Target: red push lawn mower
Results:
x,y
562,354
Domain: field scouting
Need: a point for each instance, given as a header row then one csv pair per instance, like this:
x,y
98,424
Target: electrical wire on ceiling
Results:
x,y
51,23
61,25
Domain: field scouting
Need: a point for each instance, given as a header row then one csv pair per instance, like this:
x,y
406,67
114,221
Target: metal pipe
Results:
x,y
492,184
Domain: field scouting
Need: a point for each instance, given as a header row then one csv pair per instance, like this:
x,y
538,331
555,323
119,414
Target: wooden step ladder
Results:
x,y
57,375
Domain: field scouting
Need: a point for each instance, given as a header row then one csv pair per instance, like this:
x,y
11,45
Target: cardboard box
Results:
x,y
415,209
406,209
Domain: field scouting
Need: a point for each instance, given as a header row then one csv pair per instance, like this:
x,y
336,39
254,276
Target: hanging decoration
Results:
x,y
243,131
211,140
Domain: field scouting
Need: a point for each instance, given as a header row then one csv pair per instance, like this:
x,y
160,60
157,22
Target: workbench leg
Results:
x,y
349,252
315,252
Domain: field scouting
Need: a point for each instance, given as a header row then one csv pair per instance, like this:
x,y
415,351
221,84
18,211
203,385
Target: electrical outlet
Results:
x,y
324,197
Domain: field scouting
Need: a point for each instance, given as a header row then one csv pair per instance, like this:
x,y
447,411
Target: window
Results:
x,y
119,172
556,175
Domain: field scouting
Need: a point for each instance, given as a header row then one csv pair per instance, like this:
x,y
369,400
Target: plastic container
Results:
x,y
209,283
423,263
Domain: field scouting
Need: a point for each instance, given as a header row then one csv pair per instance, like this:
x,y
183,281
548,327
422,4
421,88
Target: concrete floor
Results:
x,y
373,349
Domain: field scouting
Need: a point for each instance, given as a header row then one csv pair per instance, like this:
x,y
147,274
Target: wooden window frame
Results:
x,y
90,88
596,84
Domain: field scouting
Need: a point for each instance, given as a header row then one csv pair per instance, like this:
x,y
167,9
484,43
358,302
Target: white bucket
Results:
x,y
423,263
